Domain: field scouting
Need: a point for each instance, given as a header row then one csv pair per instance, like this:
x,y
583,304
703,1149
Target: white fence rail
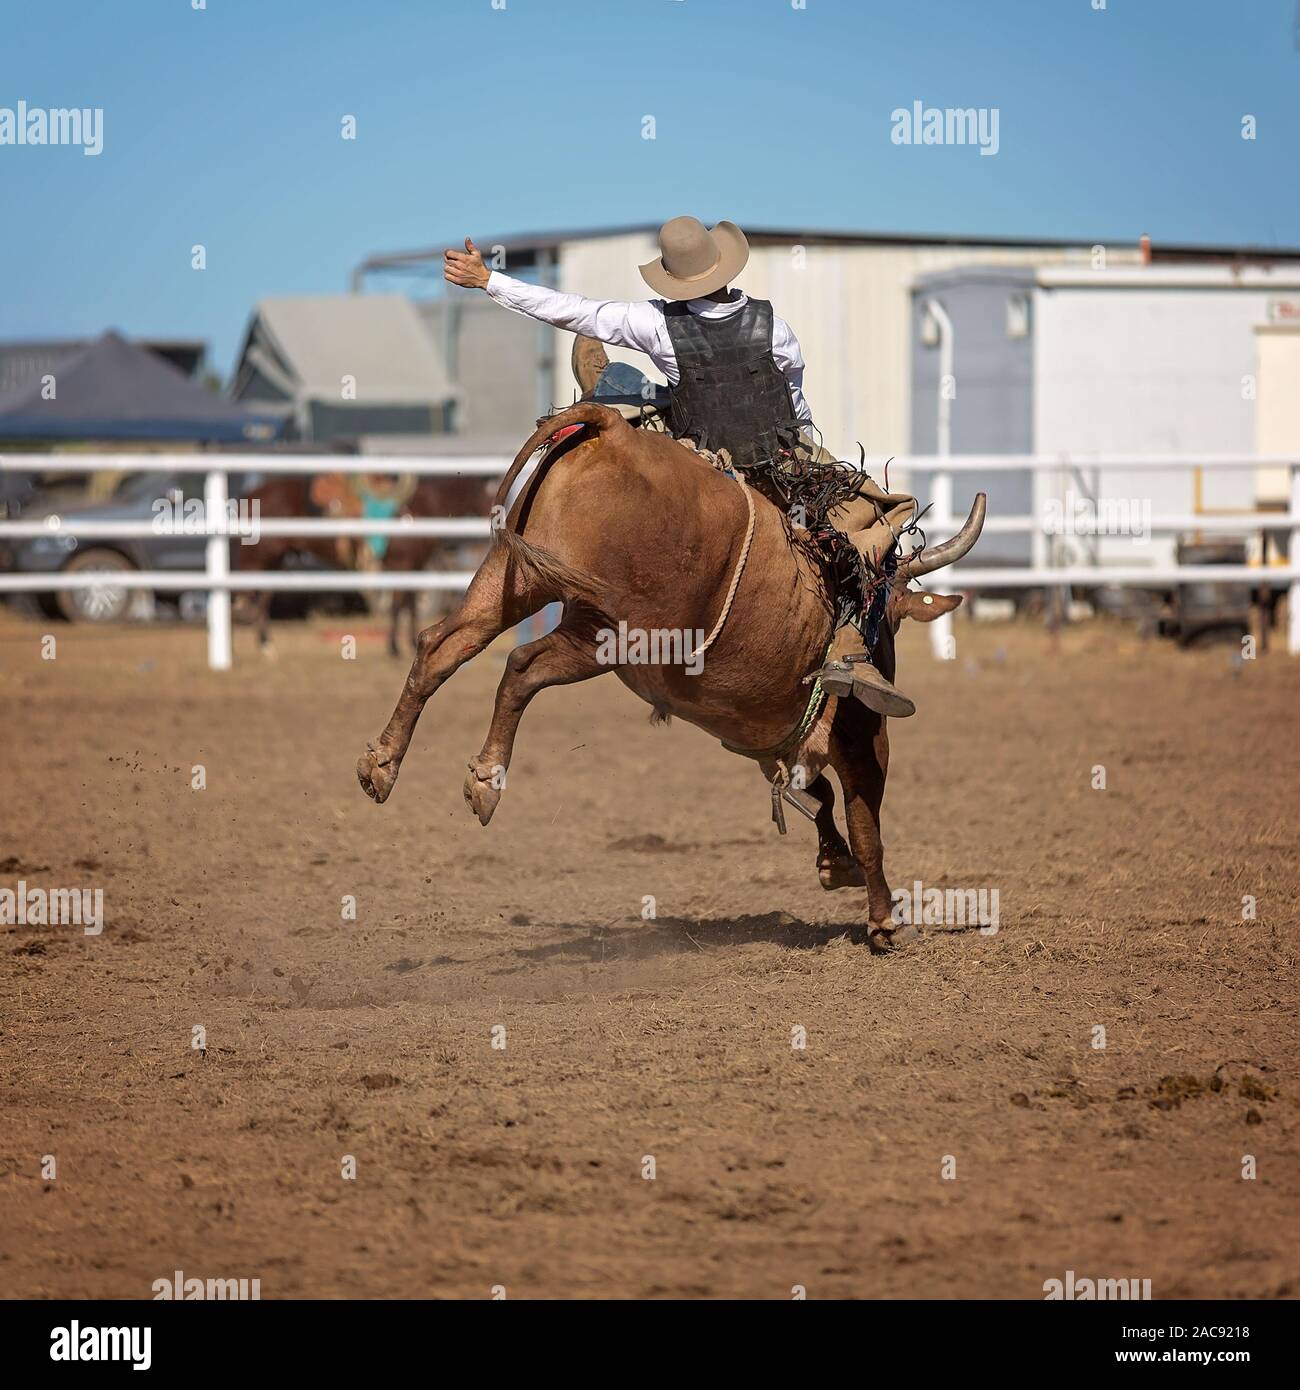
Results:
x,y
217,579
219,527
939,523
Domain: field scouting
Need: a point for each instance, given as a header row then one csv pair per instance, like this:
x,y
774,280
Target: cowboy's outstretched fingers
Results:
x,y
465,267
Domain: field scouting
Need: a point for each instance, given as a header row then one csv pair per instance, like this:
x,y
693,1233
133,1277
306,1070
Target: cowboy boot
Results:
x,y
849,672
588,359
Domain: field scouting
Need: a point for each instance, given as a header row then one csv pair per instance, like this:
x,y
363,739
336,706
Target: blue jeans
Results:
x,y
624,382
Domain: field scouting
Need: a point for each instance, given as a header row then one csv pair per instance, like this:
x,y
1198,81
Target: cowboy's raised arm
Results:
x,y
619,322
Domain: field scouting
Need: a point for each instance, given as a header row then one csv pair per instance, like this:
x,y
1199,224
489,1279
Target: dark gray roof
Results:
x,y
112,389
21,360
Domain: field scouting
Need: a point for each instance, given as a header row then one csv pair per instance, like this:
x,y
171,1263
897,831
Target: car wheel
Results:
x,y
104,603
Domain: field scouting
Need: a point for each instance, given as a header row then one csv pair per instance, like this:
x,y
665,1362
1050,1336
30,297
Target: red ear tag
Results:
x,y
563,434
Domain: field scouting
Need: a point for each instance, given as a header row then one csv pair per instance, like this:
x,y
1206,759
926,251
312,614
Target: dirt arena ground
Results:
x,y
775,1167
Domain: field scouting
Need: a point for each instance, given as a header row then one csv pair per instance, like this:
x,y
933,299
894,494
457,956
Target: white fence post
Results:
x,y
941,643
1293,559
215,498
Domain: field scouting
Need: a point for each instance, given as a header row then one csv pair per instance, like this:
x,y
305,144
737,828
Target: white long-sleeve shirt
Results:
x,y
640,324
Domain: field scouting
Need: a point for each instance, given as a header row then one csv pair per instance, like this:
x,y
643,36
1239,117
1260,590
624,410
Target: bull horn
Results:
x,y
934,557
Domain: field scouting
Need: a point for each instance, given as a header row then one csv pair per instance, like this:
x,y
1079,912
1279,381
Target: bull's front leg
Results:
x,y
860,753
562,657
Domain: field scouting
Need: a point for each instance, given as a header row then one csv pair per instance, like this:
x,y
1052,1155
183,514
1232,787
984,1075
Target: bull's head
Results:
x,y
925,608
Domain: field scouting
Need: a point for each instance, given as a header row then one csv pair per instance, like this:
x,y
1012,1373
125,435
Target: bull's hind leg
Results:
x,y
860,754
836,866
562,657
492,604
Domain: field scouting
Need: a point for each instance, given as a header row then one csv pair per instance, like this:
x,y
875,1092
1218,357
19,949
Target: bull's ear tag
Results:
x,y
927,598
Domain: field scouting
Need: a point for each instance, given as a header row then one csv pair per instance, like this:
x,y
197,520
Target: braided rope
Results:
x,y
780,751
735,578
817,697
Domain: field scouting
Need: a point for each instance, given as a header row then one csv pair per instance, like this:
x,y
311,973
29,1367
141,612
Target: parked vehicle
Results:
x,y
133,500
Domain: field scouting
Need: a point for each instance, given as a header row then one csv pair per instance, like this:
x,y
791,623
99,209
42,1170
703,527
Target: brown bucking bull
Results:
x,y
628,526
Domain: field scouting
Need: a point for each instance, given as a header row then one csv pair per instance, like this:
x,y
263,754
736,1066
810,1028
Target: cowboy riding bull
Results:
x,y
791,564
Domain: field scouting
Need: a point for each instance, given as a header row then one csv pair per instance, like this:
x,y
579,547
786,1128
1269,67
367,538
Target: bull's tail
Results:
x,y
542,569
599,417
547,573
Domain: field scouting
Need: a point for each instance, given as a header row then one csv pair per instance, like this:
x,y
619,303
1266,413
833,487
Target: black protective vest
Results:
x,y
730,393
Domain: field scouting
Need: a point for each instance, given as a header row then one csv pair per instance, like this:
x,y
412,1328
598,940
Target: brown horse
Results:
x,y
296,495
629,527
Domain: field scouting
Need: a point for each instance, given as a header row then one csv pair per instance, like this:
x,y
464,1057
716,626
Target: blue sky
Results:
x,y
222,127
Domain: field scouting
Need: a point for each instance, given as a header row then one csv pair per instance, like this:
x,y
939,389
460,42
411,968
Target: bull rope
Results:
x,y
740,566
817,697
779,752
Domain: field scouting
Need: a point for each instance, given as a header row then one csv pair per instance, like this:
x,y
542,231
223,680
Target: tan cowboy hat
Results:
x,y
695,261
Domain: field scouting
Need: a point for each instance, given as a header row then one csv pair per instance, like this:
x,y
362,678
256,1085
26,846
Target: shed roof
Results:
x,y
520,246
305,345
1171,277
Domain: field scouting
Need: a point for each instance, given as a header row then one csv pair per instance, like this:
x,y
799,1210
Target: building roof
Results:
x,y
522,244
1180,276
1164,277
112,389
23,359
306,345
1009,274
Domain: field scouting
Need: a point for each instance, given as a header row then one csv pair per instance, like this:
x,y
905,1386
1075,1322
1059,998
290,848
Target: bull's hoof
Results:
x,y
480,794
843,872
377,771
883,940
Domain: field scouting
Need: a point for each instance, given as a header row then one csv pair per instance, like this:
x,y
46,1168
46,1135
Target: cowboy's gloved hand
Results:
x,y
465,267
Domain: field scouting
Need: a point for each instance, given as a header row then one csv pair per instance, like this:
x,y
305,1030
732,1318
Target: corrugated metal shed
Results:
x,y
849,305
335,359
846,295
1127,361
